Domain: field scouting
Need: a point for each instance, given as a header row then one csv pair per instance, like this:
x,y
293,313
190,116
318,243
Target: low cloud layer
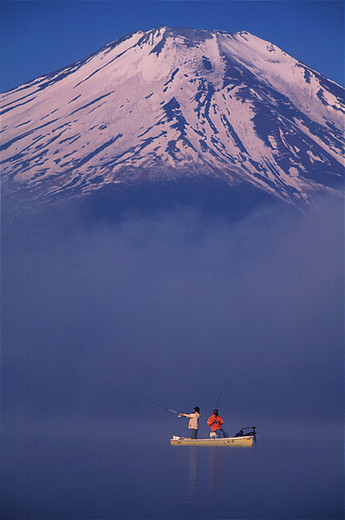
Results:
x,y
98,317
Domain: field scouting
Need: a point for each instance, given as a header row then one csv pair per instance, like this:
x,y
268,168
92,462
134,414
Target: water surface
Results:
x,y
71,478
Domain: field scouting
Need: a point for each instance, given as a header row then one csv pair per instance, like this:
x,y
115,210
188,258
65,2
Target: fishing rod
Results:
x,y
220,393
160,405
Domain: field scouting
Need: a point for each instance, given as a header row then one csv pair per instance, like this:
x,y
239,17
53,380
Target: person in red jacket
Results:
x,y
215,422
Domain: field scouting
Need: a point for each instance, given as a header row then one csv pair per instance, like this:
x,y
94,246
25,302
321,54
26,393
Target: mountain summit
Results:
x,y
170,105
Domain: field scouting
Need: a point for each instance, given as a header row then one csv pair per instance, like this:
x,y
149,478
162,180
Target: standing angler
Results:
x,y
193,425
215,421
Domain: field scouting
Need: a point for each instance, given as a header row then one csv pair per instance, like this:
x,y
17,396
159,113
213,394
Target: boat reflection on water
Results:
x,y
193,475
214,474
204,476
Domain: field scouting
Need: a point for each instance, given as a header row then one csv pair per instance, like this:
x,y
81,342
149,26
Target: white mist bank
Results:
x,y
96,316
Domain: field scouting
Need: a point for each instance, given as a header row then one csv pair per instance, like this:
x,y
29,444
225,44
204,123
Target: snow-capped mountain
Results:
x,y
173,104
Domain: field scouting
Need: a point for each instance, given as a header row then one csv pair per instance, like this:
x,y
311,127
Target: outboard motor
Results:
x,y
243,431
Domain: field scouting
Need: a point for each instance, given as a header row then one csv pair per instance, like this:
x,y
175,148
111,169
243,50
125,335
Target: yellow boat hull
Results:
x,y
246,441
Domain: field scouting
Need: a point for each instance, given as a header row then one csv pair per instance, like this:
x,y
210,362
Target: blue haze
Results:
x,y
99,316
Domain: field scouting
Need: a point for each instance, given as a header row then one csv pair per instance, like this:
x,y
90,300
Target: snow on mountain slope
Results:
x,y
175,104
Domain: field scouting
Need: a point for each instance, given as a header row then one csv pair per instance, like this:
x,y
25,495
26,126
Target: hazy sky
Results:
x,y
41,37
97,316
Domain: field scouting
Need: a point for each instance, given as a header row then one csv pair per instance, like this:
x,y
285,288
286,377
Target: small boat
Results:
x,y
241,440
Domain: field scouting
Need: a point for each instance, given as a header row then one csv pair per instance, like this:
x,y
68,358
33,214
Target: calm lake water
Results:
x,y
79,479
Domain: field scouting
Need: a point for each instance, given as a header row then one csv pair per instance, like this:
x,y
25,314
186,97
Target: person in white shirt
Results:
x,y
193,425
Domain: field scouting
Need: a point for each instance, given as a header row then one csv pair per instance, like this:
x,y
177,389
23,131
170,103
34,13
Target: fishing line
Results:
x,y
160,405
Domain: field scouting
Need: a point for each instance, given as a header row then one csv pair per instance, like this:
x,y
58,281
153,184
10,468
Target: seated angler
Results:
x,y
215,422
